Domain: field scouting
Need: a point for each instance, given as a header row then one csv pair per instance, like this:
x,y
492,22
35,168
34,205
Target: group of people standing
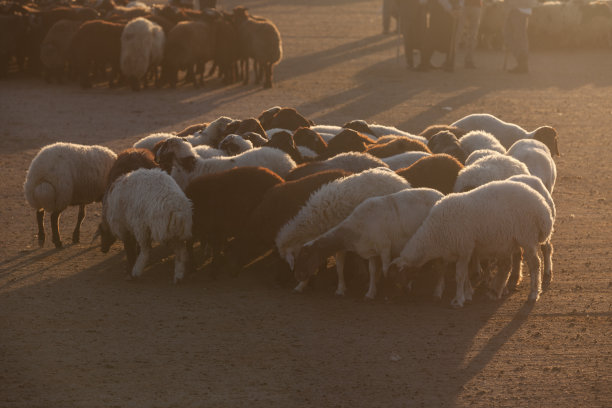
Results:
x,y
437,25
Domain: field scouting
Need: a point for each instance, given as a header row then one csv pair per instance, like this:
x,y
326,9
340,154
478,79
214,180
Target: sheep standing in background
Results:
x,y
329,206
136,50
143,206
55,48
65,174
259,40
490,221
377,230
96,44
508,133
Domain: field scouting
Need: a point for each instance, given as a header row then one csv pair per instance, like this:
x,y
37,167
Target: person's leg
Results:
x,y
472,20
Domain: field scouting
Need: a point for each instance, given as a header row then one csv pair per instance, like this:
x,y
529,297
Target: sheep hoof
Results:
x,y
455,304
58,244
76,238
129,277
177,280
533,297
492,295
437,299
339,293
41,241
546,279
368,298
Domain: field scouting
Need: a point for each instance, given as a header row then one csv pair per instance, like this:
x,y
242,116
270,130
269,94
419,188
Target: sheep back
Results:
x,y
438,171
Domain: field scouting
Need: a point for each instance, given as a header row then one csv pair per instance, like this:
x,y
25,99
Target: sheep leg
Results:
x,y
535,270
180,261
141,260
504,267
268,75
547,251
461,274
440,284
40,219
340,260
301,286
55,229
76,234
516,275
131,252
373,268
245,70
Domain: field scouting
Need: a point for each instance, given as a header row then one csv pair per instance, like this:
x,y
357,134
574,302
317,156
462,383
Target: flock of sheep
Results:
x,y
473,196
137,41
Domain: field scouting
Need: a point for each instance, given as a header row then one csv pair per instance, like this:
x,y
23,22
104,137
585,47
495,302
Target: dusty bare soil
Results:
x,y
73,333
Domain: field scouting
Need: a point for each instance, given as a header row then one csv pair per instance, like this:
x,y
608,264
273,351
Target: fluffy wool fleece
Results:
x,y
331,204
487,221
64,174
149,205
486,169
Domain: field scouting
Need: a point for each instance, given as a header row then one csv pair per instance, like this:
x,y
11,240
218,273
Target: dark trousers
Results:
x,y
412,20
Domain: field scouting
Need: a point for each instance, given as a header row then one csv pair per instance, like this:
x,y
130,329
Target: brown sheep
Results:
x,y
129,160
304,136
428,132
438,171
399,145
348,140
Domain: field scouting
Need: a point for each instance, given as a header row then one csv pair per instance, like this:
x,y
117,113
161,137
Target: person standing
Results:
x,y
441,34
389,9
515,33
412,19
469,24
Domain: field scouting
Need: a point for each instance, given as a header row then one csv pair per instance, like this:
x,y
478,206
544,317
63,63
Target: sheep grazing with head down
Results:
x,y
486,169
403,160
479,139
538,160
352,161
283,118
234,144
223,202
447,142
328,206
129,160
490,221
397,146
143,206
141,41
65,174
508,133
432,130
438,171
347,140
284,141
280,203
308,138
377,230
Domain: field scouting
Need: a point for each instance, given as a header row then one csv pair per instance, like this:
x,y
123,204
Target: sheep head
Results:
x,y
548,136
308,261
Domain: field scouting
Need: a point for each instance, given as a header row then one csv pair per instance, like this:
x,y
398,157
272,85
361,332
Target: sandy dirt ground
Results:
x,y
73,333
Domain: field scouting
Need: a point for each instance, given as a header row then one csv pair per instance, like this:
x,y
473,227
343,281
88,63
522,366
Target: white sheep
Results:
x,y
65,174
186,164
233,144
478,154
377,230
143,206
149,141
350,161
538,160
402,160
212,134
486,169
490,221
136,50
479,139
330,205
508,133
207,152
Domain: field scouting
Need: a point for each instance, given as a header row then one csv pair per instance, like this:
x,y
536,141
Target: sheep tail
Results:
x,y
179,225
44,196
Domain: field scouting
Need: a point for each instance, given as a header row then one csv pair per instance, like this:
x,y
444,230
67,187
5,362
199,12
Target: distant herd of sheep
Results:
x,y
137,41
474,196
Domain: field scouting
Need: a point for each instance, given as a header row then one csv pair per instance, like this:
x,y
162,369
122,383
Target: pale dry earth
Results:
x,y
73,333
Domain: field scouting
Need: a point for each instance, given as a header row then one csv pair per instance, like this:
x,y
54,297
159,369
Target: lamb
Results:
x,y
490,221
137,49
96,43
447,142
327,207
129,160
186,165
223,202
280,203
347,140
486,169
143,206
65,174
508,133
259,40
538,160
352,161
376,230
479,139
403,160
234,144
397,146
438,171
